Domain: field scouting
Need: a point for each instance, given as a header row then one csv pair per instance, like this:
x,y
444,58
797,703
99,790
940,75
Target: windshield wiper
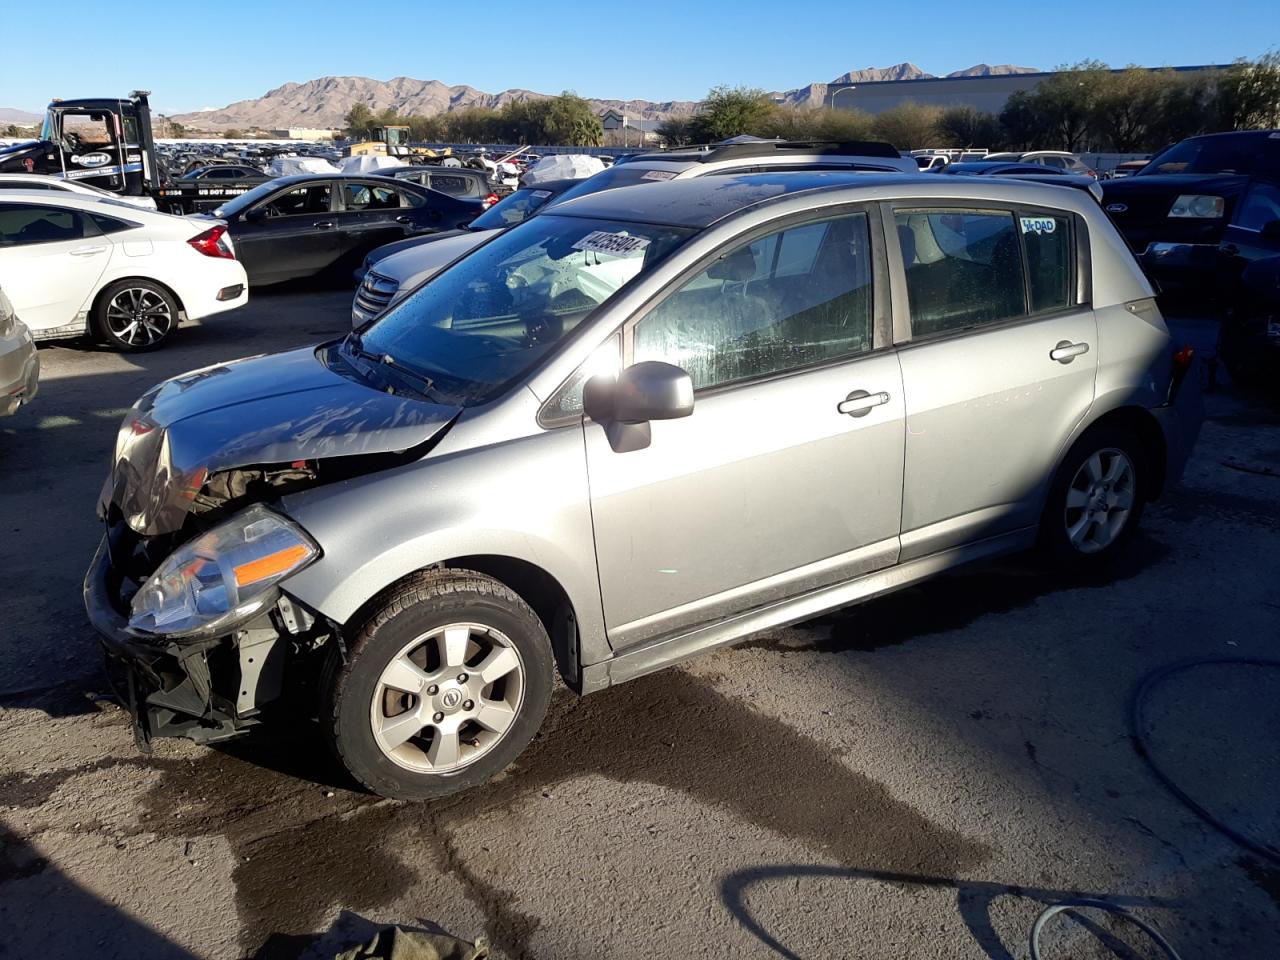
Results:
x,y
388,366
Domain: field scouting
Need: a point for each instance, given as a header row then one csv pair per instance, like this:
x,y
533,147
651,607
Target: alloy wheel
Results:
x,y
447,698
1099,500
138,317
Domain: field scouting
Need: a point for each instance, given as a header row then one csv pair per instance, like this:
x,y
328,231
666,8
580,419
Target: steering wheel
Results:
x,y
543,328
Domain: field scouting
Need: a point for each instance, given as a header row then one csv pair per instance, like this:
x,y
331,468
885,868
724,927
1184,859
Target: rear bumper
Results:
x,y
201,290
1180,420
19,371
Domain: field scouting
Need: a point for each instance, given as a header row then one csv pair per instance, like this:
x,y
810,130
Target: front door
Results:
x,y
999,354
788,474
290,234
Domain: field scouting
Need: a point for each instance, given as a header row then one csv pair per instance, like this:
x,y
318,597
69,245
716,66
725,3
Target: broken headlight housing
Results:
x,y
222,577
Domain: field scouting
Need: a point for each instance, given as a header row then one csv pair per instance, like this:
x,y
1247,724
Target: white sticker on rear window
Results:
x,y
619,244
659,175
1038,224
542,194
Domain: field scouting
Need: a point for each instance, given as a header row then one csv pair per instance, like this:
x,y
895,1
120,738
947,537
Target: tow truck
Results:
x,y
108,143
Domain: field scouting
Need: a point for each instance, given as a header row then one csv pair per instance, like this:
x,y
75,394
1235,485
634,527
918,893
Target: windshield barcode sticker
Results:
x,y
542,194
1038,224
659,175
619,244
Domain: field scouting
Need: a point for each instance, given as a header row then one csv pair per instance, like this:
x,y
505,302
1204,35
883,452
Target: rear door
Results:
x,y
292,233
374,212
1244,240
999,353
50,261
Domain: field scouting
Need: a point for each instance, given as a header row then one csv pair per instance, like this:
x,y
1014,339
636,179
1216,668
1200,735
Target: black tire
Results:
x,y
1057,518
425,603
148,307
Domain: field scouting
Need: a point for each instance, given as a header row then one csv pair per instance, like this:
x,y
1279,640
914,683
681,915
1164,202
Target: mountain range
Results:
x,y
323,103
21,117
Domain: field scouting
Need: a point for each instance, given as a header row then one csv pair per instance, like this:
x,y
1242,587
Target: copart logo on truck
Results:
x,y
91,159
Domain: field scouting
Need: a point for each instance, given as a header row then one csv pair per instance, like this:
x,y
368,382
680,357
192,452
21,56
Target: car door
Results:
x,y
788,474
1253,234
51,259
999,353
290,234
371,213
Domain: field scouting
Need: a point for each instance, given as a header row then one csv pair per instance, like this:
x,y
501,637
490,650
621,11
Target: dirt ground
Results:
x,y
916,777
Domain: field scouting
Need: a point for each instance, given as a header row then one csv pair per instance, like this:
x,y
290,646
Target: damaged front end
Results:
x,y
186,588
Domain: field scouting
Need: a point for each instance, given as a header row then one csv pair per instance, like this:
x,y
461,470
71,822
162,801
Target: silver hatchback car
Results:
x,y
643,426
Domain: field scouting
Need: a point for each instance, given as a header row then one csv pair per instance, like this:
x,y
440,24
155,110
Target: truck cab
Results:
x,y
103,142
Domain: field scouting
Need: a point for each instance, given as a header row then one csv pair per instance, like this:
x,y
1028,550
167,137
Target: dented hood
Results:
x,y
262,411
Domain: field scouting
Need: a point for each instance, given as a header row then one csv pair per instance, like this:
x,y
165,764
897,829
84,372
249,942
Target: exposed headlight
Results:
x,y
222,577
1198,207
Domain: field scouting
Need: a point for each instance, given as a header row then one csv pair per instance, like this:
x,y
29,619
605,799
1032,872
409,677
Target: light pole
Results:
x,y
835,93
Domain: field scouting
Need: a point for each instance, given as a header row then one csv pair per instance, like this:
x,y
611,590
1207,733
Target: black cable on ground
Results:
x,y
1052,911
1137,733
1138,736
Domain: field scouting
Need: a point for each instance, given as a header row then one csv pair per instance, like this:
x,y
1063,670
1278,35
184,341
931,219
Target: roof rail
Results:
x,y
705,153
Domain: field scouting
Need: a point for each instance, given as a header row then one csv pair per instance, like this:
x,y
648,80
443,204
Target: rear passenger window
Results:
x,y
1050,261
963,268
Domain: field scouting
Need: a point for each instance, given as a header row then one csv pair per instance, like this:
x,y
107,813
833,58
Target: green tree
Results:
x,y
359,122
730,111
908,126
816,123
676,131
1066,101
1249,94
569,120
967,127
1126,106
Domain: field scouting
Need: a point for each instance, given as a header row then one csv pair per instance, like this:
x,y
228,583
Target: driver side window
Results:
x,y
308,199
786,300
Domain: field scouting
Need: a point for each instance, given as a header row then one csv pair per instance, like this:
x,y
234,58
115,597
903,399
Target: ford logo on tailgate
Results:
x,y
91,159
1116,208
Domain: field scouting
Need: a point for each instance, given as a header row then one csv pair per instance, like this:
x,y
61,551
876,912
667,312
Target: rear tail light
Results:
x,y
212,243
490,200
1182,360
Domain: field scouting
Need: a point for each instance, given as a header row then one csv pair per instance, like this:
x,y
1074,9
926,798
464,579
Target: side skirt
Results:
x,y
663,653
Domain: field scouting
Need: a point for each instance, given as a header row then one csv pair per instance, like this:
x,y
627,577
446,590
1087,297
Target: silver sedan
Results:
x,y
19,363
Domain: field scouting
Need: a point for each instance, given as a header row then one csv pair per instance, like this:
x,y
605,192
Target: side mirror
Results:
x,y
645,391
256,215
1270,230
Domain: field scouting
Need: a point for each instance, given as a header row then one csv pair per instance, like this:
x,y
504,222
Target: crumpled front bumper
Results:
x,y
167,684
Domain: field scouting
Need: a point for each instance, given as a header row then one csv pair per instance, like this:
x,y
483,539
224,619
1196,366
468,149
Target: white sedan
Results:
x,y
74,266
39,181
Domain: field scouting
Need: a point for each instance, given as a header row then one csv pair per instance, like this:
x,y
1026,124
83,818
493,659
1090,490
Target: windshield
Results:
x,y
495,313
1205,155
47,128
512,209
247,199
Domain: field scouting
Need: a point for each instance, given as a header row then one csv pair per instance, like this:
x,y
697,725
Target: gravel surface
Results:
x,y
916,777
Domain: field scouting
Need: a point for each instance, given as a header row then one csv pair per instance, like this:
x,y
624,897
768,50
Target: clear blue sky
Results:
x,y
599,48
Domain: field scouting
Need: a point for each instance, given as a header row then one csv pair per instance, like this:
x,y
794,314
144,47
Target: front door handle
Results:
x,y
324,225
404,219
87,251
859,403
1229,249
1066,351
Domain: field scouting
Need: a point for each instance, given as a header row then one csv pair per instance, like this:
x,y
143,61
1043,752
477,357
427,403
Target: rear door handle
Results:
x,y
1066,351
404,219
324,225
859,403
87,251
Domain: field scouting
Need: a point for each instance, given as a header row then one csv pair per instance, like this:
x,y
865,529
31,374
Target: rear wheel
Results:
x,y
135,315
1096,499
445,684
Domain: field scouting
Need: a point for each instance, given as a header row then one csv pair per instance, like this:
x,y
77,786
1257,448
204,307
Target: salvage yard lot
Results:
x,y
915,777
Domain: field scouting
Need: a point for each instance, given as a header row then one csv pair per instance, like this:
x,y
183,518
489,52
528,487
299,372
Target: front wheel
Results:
x,y
1096,499
135,315
444,685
